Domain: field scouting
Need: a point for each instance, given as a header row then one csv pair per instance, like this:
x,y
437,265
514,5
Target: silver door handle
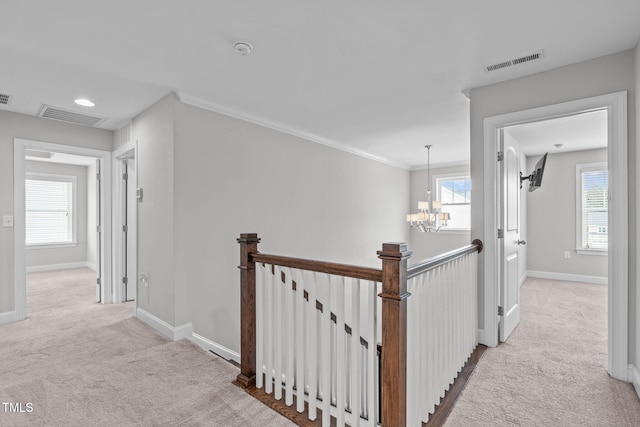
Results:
x,y
521,242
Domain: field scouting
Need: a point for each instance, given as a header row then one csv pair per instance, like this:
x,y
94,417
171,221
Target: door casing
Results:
x,y
20,280
618,275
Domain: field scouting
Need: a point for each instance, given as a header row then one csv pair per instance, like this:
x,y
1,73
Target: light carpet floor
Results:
x,y
79,363
552,370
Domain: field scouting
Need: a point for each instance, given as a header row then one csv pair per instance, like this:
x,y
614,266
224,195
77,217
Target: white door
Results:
x,y
509,308
128,230
98,232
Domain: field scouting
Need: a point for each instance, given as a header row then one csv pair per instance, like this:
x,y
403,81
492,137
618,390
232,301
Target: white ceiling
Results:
x,y
578,132
380,77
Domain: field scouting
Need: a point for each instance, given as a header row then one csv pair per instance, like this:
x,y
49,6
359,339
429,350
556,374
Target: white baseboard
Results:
x,y
7,317
215,347
53,267
174,333
569,277
634,378
91,266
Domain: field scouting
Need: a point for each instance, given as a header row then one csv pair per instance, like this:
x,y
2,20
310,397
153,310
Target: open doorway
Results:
x,y
74,231
615,106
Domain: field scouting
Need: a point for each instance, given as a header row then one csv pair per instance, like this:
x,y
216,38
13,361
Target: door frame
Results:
x,y
618,274
20,279
124,151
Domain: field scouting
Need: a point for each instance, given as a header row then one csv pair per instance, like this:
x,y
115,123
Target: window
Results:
x,y
49,209
592,199
455,194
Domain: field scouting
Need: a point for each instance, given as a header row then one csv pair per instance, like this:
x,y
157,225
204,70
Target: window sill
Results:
x,y
596,252
53,246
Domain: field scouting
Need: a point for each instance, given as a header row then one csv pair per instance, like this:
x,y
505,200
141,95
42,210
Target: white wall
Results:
x,y
92,242
220,177
154,131
426,245
13,125
56,256
608,74
552,217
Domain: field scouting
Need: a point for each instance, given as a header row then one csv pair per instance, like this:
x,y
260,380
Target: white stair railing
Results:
x,y
311,343
441,333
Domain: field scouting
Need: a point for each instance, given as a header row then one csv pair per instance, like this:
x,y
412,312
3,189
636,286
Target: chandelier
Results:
x,y
430,217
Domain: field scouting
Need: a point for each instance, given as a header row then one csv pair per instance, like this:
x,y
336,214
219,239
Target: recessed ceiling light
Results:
x,y
84,102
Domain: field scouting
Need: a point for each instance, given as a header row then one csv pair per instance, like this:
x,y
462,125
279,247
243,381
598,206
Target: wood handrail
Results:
x,y
431,263
364,273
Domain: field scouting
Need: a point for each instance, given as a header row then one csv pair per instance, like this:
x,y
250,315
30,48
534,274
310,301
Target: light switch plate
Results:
x,y
7,221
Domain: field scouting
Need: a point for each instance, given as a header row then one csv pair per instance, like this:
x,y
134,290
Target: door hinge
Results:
x,y
125,176
98,176
98,228
125,228
98,281
125,280
500,310
500,156
500,233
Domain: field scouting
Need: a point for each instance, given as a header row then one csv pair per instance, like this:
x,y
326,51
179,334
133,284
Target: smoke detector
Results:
x,y
242,48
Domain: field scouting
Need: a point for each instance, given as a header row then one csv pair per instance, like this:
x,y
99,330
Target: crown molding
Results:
x,y
259,120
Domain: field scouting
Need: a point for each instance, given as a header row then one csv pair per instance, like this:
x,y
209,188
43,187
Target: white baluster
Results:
x,y
312,342
260,272
278,335
289,344
325,350
356,367
372,358
300,330
269,335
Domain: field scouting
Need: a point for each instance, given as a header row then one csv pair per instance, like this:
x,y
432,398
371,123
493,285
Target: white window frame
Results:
x,y
436,183
580,168
74,208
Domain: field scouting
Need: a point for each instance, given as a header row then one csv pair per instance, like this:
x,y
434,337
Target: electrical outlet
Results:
x,y
567,254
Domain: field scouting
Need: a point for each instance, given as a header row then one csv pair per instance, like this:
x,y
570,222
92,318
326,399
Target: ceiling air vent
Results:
x,y
62,115
5,99
516,61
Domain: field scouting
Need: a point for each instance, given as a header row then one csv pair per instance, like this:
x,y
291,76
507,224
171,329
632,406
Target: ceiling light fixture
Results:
x,y
242,48
84,102
430,217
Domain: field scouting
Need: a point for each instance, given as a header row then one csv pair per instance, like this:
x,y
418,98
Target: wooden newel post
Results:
x,y
394,296
248,246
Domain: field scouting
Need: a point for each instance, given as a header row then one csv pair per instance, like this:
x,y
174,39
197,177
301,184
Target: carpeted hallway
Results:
x,y
552,370
78,363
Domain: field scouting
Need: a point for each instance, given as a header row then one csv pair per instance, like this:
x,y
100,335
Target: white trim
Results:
x,y
20,145
524,277
218,349
8,317
634,378
91,266
54,267
618,291
174,333
568,277
256,119
481,336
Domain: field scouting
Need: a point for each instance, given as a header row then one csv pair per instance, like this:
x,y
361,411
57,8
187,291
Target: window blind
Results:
x,y
48,211
595,207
